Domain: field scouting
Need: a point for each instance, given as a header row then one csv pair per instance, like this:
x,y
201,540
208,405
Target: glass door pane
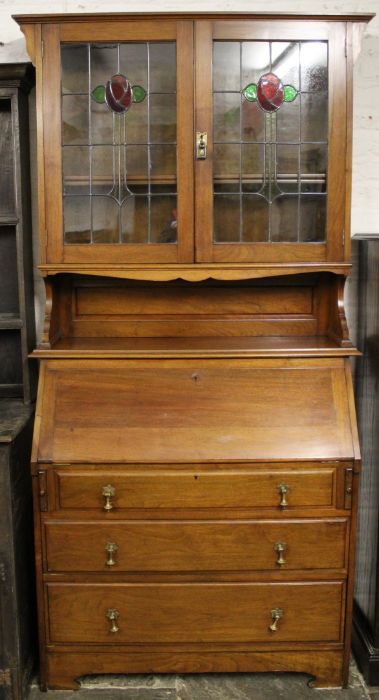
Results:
x,y
270,136
119,143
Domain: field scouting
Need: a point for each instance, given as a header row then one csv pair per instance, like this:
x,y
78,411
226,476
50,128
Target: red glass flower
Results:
x,y
118,93
270,92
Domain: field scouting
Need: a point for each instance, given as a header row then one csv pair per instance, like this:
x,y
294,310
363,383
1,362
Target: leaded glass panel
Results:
x,y
119,149
270,135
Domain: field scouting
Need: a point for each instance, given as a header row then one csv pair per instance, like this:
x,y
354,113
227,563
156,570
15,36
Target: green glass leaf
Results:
x,y
98,94
250,92
139,93
289,93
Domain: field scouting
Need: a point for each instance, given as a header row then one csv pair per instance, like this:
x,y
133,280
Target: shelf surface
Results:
x,y
10,322
13,415
213,347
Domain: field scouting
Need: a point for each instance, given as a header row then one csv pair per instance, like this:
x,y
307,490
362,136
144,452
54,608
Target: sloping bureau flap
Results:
x,y
194,410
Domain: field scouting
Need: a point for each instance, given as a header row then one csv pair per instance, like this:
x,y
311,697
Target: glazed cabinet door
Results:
x,y
118,141
271,100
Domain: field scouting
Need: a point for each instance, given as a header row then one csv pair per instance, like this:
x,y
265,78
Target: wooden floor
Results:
x,y
239,686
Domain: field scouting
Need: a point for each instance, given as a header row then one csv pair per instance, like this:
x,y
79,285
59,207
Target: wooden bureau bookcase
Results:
x,y
195,459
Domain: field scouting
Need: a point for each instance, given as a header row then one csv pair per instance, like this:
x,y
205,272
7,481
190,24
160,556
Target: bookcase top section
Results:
x,y
102,17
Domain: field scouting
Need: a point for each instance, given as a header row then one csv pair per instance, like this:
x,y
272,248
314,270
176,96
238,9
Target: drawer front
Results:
x,y
175,613
197,488
196,546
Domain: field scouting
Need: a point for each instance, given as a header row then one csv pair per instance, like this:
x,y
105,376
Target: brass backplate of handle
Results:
x,y
201,145
111,549
276,615
108,493
280,547
283,490
112,615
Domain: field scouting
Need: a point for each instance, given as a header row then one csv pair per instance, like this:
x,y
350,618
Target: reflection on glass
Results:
x,y
284,219
314,117
104,61
226,218
163,168
312,218
163,219
102,169
226,62
314,66
74,119
135,220
288,168
313,167
253,123
255,212
288,122
74,68
255,61
226,167
226,116
252,167
133,62
77,219
75,165
162,67
137,169
285,62
105,220
163,118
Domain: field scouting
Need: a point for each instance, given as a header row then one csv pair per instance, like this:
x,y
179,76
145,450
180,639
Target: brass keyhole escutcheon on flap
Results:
x,y
283,490
201,145
111,549
276,615
108,493
280,548
112,615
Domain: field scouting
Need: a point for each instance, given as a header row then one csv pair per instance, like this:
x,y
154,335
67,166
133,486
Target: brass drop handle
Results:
x,y
276,614
280,547
112,616
111,549
108,493
201,145
283,490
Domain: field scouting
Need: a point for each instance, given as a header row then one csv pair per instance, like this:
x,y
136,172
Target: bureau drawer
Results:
x,y
178,613
195,546
196,487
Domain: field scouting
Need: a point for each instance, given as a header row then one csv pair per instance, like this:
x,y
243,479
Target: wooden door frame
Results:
x,y
53,35
335,33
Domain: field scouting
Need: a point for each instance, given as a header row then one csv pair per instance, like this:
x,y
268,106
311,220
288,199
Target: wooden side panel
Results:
x,y
51,101
336,176
195,410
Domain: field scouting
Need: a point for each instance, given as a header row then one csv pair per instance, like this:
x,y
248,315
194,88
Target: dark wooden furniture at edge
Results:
x,y
17,387
366,609
195,456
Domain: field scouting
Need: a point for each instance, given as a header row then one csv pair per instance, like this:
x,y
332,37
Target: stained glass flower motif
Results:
x,y
269,92
118,93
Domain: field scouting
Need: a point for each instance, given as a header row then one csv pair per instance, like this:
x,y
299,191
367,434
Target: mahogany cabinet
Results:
x,y
195,460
